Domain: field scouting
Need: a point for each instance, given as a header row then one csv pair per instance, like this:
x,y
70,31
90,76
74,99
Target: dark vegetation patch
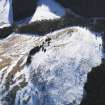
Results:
x,y
6,31
46,26
9,79
99,24
23,9
10,98
31,53
95,86
37,49
85,8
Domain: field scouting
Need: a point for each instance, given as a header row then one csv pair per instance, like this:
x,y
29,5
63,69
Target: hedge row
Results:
x,y
46,26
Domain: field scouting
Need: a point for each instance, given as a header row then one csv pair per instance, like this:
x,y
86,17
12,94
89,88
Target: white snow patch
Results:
x,y
48,9
6,17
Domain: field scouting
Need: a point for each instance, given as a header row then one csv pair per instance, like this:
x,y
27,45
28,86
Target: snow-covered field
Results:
x,y
6,17
48,9
57,76
57,72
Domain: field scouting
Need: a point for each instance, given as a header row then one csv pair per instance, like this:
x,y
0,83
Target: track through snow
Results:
x,y
48,9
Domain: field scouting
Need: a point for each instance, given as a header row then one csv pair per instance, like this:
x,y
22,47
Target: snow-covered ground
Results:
x,y
6,17
48,9
57,76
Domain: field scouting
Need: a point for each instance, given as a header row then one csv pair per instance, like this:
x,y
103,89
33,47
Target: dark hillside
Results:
x,y
95,87
23,9
86,8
